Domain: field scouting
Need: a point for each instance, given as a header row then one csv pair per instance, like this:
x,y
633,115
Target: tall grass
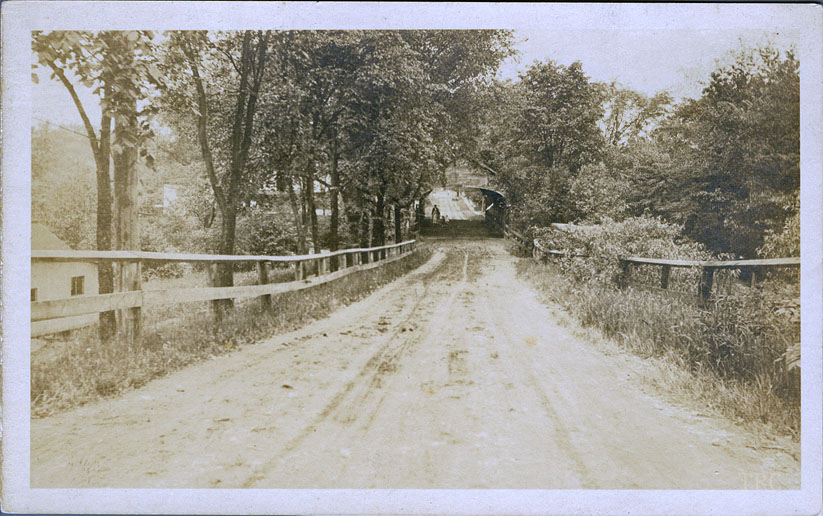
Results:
x,y
726,353
82,369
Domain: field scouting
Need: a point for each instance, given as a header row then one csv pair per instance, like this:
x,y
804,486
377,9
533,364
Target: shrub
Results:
x,y
604,244
786,242
600,193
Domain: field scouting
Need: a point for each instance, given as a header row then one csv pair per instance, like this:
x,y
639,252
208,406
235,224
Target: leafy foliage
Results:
x,y
62,186
604,244
540,132
725,166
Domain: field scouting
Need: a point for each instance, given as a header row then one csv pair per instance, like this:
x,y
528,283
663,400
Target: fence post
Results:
x,y
298,271
136,313
129,320
753,279
211,270
664,276
706,281
625,271
263,279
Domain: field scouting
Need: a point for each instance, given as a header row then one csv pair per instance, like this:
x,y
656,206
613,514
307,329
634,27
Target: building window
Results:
x,y
33,295
77,285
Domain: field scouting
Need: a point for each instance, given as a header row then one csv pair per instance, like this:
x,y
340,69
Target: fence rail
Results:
x,y
708,267
49,316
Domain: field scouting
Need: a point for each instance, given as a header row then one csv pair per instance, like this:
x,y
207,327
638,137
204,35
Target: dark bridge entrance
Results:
x,y
493,206
473,212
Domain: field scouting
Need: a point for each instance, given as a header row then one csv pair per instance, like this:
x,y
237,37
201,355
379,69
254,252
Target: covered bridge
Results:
x,y
493,205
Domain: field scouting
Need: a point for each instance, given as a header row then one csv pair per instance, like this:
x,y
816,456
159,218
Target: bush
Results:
x,y
265,232
600,193
604,245
785,243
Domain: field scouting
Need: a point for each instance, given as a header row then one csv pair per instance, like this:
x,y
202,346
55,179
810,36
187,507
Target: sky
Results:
x,y
678,61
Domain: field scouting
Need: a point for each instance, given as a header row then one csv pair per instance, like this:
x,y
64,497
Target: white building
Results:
x,y
59,280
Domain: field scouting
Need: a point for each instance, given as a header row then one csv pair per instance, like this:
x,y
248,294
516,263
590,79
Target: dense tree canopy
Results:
x,y
539,133
299,140
725,166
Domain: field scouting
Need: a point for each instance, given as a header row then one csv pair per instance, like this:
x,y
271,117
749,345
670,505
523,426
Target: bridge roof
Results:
x,y
488,191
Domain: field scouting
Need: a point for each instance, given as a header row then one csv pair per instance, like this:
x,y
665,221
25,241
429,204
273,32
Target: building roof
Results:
x,y
43,239
487,191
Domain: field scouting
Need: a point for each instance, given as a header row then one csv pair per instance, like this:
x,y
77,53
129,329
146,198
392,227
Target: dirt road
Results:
x,y
454,376
453,206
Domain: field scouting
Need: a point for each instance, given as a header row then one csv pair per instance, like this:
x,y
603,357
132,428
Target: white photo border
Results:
x,y
19,18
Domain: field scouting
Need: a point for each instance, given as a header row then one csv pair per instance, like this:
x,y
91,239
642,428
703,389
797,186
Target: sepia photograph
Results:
x,y
452,259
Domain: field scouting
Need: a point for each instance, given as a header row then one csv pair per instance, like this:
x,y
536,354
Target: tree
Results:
x,y
558,122
63,184
539,134
219,82
117,66
630,114
410,120
735,153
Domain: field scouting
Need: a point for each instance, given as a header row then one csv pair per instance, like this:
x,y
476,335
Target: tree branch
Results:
x,y
202,134
95,144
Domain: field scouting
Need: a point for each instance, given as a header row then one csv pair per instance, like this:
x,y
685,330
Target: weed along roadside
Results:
x,y
730,350
83,368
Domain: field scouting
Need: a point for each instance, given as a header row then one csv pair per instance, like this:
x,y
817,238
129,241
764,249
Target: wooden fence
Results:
x,y
48,316
707,267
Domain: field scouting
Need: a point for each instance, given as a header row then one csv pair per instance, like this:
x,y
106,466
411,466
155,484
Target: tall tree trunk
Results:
x,y
226,189
420,213
298,217
105,270
315,232
365,237
398,224
127,227
100,150
304,206
379,229
353,215
224,271
334,194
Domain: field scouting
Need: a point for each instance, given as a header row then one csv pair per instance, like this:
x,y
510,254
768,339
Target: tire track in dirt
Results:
x,y
347,405
517,366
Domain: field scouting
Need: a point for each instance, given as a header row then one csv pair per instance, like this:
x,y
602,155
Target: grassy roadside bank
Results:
x,y
83,369
721,356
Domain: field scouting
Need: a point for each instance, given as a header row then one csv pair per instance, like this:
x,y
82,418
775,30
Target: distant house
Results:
x,y
58,281
171,196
